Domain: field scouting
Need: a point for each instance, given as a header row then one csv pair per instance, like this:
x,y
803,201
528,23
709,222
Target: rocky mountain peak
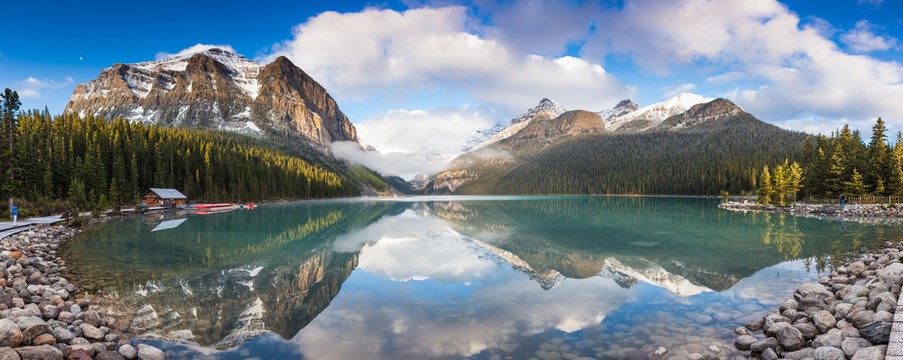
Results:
x,y
702,113
215,87
624,107
547,109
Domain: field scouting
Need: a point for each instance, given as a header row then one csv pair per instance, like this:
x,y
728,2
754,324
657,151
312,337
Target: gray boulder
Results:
x,y
807,353
147,352
743,342
871,352
42,352
832,338
789,337
852,345
829,353
823,320
761,345
769,354
861,317
10,334
878,332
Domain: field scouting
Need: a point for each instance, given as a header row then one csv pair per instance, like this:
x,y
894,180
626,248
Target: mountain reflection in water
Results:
x,y
449,278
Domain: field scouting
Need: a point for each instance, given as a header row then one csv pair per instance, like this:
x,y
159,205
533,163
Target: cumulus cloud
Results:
x,y
191,50
784,69
670,91
796,72
412,142
359,55
32,88
863,39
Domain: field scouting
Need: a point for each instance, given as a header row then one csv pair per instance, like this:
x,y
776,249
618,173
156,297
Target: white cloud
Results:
x,y
874,3
31,87
863,39
670,91
376,52
412,142
191,50
797,72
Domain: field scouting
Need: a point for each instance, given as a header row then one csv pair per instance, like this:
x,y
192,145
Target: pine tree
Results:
x,y
765,187
834,181
10,105
854,187
796,180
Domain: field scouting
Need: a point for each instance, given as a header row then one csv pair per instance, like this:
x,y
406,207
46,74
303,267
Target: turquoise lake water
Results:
x,y
457,277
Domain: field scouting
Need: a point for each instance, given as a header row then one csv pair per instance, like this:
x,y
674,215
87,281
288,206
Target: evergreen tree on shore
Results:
x,y
90,161
831,166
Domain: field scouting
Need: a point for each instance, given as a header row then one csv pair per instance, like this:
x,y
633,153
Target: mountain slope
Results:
x,y
216,89
546,110
707,148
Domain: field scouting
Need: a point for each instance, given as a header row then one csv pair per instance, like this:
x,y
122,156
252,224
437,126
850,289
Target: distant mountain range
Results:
x,y
687,144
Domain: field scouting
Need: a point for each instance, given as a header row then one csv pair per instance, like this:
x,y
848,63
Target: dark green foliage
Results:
x,y
844,164
704,160
9,105
90,161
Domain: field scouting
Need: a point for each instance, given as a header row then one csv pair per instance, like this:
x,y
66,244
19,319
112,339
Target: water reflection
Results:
x,y
598,277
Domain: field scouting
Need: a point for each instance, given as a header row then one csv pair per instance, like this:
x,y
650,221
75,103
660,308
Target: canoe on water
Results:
x,y
204,209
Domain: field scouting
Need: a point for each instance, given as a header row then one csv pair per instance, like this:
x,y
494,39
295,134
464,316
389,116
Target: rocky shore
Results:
x,y
44,316
859,213
848,314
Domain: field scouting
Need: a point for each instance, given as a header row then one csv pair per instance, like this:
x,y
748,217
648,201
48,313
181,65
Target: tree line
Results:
x,y
90,161
843,164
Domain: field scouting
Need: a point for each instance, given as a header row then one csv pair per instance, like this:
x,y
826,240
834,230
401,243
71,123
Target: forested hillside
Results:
x,y
89,160
722,155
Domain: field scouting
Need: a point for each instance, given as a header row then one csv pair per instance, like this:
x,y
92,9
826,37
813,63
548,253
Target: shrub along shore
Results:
x,y
43,315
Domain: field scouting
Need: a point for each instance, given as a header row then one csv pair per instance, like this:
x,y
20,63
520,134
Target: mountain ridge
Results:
x,y
216,88
561,148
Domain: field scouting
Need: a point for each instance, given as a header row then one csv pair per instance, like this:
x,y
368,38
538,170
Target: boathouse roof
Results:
x,y
166,193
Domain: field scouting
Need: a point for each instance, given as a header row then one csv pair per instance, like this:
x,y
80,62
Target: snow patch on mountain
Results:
x,y
547,109
658,276
624,107
658,112
244,71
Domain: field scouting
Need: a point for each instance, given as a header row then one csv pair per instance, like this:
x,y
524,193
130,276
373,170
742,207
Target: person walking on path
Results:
x,y
843,200
15,213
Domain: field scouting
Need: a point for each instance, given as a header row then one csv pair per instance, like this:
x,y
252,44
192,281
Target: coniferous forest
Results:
x,y
843,164
724,156
92,163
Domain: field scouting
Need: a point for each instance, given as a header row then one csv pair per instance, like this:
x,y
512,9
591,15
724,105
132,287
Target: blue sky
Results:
x,y
452,67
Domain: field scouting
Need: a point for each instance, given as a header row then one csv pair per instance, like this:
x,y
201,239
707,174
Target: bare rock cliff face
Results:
x,y
290,99
216,89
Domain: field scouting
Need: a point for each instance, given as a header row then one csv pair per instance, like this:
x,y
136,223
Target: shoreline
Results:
x,y
869,214
43,315
848,314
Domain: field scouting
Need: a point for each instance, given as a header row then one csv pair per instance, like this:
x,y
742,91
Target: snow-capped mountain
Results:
x,y
214,87
547,109
651,115
624,107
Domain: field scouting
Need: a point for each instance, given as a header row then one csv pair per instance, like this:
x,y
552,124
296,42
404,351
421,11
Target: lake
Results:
x,y
457,277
